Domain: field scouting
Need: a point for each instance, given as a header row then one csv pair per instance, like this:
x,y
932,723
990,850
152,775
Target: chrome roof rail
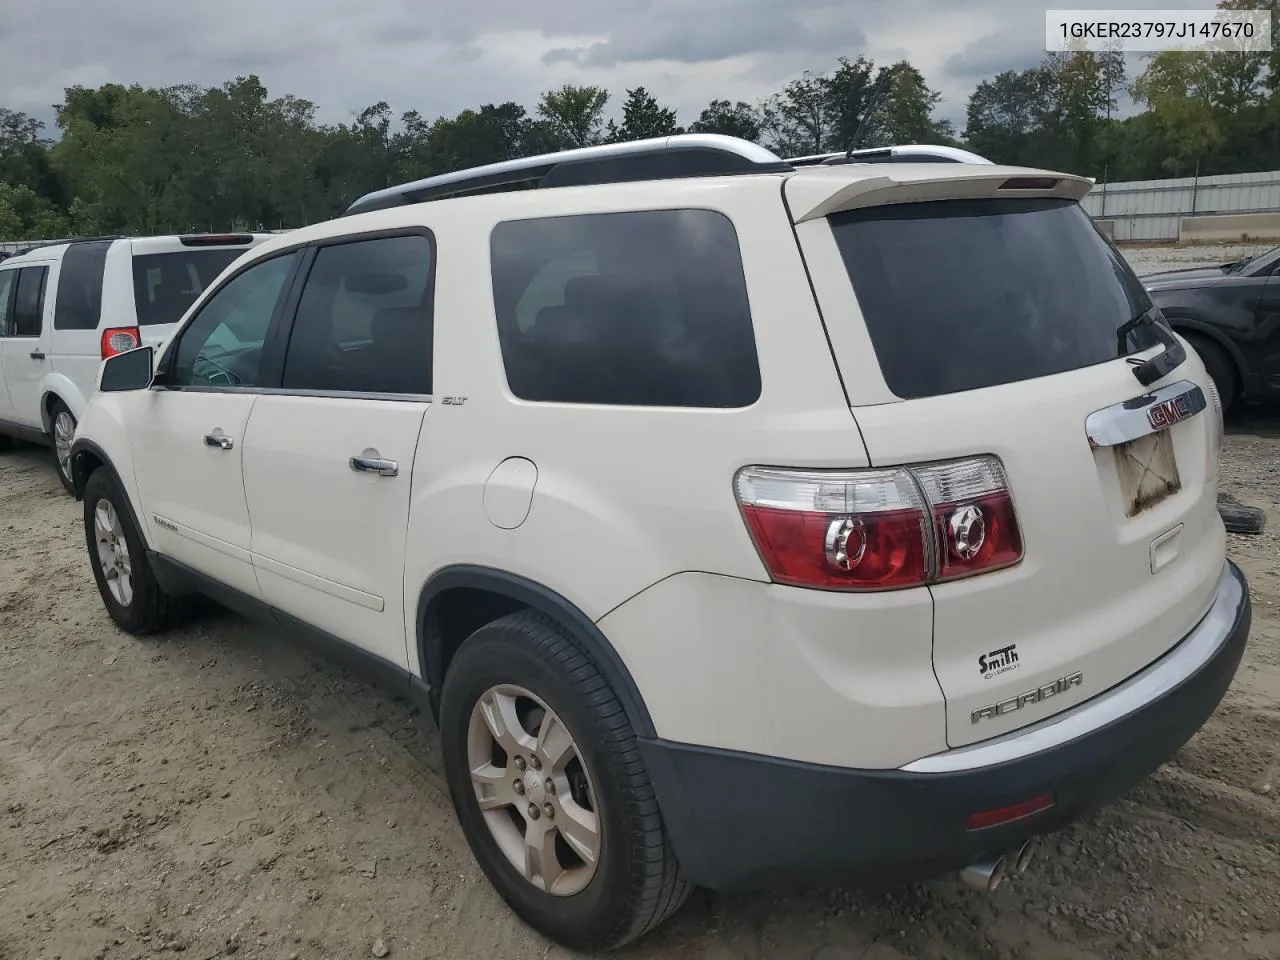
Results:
x,y
660,158
904,153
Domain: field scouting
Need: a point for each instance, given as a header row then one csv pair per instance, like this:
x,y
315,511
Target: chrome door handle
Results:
x,y
383,468
218,439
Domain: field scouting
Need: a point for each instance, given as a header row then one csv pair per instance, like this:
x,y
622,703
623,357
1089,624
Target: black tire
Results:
x,y
149,609
637,882
1220,367
59,409
6,442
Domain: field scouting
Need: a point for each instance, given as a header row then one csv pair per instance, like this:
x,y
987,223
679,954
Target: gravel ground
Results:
x,y
218,792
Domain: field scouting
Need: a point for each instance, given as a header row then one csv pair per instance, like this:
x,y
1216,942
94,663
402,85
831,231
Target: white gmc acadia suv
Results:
x,y
694,484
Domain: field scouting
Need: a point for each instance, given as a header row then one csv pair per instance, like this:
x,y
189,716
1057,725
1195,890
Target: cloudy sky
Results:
x,y
439,57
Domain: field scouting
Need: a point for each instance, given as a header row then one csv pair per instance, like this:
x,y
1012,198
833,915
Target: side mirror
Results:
x,y
127,371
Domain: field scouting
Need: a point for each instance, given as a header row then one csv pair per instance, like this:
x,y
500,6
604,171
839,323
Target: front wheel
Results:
x,y
118,556
550,789
1219,366
63,428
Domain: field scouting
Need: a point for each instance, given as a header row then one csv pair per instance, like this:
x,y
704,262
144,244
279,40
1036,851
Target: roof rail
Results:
x,y
904,153
660,158
41,244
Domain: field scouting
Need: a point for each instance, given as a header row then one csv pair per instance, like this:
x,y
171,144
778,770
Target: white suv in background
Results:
x,y
66,306
740,523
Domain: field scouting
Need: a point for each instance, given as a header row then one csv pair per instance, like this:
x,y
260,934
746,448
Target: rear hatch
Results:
x,y
995,318
169,273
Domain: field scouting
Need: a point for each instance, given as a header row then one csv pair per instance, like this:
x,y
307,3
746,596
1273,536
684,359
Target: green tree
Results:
x,y
575,115
642,118
906,114
730,119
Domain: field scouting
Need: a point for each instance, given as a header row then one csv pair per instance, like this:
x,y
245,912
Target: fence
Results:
x,y
1226,207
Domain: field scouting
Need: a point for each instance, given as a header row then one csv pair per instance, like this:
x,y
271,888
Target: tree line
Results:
x,y
135,160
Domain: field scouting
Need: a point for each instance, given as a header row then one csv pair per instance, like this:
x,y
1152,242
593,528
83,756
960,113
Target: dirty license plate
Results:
x,y
1148,471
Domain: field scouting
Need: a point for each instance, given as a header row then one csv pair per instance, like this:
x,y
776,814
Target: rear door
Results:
x,y
22,353
991,325
328,458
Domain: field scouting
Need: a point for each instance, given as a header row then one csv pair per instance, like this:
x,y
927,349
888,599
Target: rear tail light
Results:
x,y
880,529
855,530
120,340
974,522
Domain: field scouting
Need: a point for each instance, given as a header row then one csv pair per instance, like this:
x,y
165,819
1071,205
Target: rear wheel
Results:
x,y
62,426
118,557
550,789
1219,366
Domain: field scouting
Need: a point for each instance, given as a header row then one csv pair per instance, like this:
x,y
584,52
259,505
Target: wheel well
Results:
x,y
457,601
453,616
46,409
1196,334
83,464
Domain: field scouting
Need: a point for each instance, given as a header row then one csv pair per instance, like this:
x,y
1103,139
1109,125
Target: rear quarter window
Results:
x,y
642,309
78,305
963,294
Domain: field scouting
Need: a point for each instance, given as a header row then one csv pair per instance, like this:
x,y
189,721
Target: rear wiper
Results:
x,y
1164,362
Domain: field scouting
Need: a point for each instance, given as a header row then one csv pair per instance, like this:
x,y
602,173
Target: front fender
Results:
x,y
102,442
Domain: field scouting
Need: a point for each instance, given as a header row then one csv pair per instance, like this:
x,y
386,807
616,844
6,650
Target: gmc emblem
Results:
x,y
1169,412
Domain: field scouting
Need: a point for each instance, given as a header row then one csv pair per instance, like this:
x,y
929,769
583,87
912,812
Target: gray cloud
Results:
x,y
442,56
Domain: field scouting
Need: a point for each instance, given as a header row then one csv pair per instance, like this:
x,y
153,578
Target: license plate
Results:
x,y
1148,471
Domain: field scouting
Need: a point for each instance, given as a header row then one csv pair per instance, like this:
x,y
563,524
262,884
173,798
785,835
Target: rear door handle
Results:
x,y
383,468
218,439
37,355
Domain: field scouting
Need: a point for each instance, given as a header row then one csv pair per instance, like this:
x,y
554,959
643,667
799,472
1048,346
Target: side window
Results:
x,y
7,278
364,320
78,305
640,309
28,302
222,346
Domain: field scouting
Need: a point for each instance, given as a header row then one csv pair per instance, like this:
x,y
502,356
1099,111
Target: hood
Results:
x,y
1180,279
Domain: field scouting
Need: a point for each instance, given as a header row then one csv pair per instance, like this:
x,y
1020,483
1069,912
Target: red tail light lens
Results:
x,y
973,516
120,340
853,530
881,529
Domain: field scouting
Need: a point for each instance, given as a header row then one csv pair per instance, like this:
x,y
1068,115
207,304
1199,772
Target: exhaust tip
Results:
x,y
1023,856
985,875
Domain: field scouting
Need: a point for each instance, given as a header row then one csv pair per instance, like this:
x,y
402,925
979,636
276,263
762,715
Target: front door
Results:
x,y
328,459
21,354
188,432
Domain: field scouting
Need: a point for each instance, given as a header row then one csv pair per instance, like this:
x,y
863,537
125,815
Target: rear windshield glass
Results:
x,y
962,294
166,284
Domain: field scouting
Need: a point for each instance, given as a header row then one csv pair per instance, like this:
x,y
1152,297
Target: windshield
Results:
x,y
1257,264
964,294
166,284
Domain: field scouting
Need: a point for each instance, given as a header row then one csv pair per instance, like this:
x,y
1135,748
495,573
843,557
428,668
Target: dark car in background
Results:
x,y
1230,313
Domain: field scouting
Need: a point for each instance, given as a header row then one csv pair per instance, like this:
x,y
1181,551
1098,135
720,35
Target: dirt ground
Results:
x,y
218,792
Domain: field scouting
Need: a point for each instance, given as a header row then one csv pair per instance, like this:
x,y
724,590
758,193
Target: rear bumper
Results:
x,y
738,820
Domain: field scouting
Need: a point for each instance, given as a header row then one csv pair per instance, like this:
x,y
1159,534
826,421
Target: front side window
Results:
x,y
28,302
364,320
223,345
641,308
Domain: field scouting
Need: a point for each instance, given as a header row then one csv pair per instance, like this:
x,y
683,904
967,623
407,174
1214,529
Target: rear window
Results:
x,y
963,294
646,308
166,284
